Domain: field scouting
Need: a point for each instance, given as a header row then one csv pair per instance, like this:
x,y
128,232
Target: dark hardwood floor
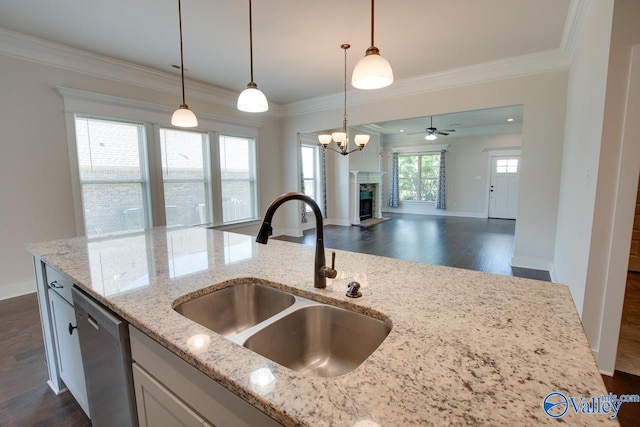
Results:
x,y
25,397
473,243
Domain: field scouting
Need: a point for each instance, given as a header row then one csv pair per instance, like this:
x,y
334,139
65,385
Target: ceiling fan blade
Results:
x,y
441,133
414,133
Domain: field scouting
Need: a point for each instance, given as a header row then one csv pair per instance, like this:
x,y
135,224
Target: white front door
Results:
x,y
503,188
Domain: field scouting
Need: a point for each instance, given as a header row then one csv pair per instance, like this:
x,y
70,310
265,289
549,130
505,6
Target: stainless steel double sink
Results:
x,y
304,335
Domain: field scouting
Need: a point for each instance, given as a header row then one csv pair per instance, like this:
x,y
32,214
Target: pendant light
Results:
x,y
341,138
183,117
252,100
372,71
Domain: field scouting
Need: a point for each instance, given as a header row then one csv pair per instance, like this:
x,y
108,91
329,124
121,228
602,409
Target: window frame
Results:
x,y
144,181
152,116
419,179
218,213
316,172
207,166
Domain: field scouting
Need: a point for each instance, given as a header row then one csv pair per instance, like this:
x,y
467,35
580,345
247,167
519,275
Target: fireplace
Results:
x,y
366,204
365,196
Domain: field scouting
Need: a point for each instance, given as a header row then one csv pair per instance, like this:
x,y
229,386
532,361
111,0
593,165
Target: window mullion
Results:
x,y
155,177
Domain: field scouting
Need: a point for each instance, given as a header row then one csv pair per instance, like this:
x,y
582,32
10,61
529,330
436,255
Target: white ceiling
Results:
x,y
297,53
466,123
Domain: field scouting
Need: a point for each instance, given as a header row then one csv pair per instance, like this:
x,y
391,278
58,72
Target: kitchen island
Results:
x,y
465,348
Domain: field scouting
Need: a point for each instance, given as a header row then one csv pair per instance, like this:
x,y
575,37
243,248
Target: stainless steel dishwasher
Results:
x,y
106,356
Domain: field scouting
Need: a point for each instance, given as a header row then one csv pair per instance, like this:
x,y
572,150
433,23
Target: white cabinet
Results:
x,y
69,358
170,392
157,406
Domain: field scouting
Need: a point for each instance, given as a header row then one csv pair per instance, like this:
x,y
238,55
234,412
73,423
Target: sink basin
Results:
x,y
320,340
236,308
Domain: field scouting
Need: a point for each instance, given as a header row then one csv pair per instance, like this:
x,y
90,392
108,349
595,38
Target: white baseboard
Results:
x,y
421,211
553,273
16,289
532,263
602,371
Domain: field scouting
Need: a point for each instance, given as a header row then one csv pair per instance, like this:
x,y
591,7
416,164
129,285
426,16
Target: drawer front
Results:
x,y
61,284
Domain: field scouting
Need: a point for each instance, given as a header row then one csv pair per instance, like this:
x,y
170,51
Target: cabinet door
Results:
x,y
68,348
157,406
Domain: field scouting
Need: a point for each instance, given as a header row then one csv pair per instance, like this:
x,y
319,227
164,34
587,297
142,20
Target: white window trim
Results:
x,y
77,183
216,181
420,149
418,154
158,203
316,177
152,116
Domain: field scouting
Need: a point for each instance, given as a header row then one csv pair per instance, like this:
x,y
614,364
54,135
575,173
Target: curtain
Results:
x,y
441,196
322,160
393,185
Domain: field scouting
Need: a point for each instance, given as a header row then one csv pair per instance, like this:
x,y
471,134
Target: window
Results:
x,y
418,177
309,156
237,178
185,176
507,166
113,177
132,171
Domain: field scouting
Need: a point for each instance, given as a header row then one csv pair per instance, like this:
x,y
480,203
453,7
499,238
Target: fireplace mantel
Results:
x,y
364,177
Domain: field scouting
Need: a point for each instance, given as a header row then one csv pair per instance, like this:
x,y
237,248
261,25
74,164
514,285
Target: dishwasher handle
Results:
x,y
93,322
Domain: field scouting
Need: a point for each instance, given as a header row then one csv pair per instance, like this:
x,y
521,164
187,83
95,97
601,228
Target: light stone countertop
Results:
x,y
466,348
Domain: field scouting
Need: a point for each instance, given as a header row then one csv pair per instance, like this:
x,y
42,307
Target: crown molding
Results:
x,y
80,101
29,48
371,128
517,66
574,25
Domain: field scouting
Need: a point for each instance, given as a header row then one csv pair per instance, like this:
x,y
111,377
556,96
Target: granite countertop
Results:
x,y
466,348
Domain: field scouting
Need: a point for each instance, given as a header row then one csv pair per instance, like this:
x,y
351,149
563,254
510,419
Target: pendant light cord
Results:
x,y
344,120
372,12
181,54
251,41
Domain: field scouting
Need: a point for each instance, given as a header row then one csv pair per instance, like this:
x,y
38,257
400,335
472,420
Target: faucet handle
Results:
x,y
330,272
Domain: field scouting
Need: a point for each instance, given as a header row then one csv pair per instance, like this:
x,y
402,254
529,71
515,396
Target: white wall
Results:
x,y
467,173
585,107
616,189
543,97
368,159
35,181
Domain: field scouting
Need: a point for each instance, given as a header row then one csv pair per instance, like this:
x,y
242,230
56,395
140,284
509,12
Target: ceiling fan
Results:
x,y
431,132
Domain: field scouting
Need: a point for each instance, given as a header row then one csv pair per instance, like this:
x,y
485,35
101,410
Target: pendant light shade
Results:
x,y
252,100
183,117
373,71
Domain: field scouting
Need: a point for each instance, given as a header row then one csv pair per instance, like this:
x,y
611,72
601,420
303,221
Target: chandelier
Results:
x,y
342,138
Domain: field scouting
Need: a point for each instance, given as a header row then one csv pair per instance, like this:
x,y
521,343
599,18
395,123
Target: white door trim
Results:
x,y
497,152
624,211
